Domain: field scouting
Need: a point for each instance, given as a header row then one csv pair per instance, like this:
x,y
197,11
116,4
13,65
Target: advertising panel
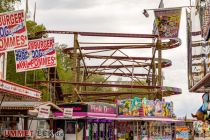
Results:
x,y
101,108
13,32
168,22
15,89
44,111
39,54
144,107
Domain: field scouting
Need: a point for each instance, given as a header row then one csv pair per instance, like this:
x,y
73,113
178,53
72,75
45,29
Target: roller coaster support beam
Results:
x,y
159,66
76,64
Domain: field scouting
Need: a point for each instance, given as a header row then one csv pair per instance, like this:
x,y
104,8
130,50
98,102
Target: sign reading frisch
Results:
x,y
13,32
39,54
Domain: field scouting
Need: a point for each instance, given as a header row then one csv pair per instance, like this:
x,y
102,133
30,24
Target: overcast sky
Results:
x,y
123,16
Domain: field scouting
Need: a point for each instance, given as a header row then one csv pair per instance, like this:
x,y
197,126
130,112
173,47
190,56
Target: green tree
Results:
x,y
64,64
33,28
8,5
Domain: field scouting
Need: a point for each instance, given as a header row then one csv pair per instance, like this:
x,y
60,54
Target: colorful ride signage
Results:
x,y
19,90
101,108
39,54
168,22
13,32
143,107
130,107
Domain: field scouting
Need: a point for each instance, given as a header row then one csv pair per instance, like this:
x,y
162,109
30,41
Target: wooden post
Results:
x,y
76,130
75,67
115,131
137,130
153,69
148,129
159,67
51,125
86,130
25,78
150,96
25,124
49,85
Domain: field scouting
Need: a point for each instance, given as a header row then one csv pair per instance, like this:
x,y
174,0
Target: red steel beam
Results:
x,y
86,93
199,56
114,85
117,74
166,45
201,83
125,66
118,57
110,47
115,66
196,33
128,43
101,34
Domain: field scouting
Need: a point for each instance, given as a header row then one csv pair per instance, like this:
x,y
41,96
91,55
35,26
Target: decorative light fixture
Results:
x,y
146,14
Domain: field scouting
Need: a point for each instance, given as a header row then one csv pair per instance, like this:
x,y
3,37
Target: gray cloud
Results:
x,y
66,4
87,4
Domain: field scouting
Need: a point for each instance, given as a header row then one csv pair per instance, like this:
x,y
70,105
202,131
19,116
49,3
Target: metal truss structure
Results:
x,y
141,75
199,48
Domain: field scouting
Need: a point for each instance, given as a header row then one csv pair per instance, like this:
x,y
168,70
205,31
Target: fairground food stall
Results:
x,y
94,121
12,113
20,119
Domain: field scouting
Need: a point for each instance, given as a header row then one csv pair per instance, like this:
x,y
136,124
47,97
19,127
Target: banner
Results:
x,y
39,54
19,90
130,107
13,32
144,107
168,22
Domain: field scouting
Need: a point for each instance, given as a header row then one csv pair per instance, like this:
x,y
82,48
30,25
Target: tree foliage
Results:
x,y
64,68
7,5
33,28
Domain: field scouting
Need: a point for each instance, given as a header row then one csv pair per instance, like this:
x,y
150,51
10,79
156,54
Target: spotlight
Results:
x,y
146,14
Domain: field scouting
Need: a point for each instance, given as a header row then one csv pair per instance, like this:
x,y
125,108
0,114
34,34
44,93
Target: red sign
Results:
x,y
18,133
97,108
13,32
39,54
